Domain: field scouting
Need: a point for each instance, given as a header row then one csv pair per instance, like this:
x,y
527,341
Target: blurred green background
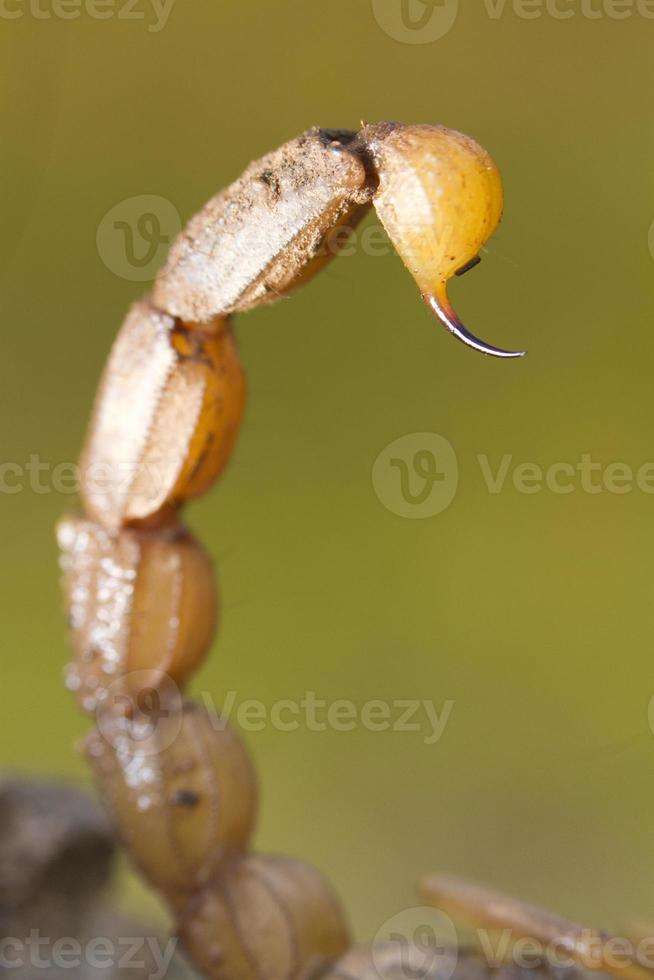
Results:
x,y
531,612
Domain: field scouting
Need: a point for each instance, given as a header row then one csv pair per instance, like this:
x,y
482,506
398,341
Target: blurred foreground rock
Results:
x,y
56,857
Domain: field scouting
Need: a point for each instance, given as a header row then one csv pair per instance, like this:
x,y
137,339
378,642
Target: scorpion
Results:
x,y
140,592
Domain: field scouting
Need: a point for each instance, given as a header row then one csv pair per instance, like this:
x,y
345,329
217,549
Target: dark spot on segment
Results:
x,y
468,266
271,180
185,797
196,344
336,138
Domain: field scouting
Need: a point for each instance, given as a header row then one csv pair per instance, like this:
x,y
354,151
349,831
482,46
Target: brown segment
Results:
x,y
265,234
182,789
593,950
273,918
165,419
142,607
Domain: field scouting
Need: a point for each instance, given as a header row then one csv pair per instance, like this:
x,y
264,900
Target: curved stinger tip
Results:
x,y
441,306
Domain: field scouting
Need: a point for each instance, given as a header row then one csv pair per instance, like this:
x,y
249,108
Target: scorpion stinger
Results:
x,y
440,199
439,303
